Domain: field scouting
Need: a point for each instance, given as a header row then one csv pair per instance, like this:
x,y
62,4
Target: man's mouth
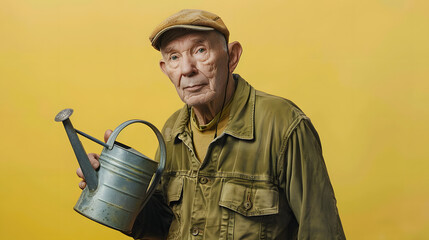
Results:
x,y
194,88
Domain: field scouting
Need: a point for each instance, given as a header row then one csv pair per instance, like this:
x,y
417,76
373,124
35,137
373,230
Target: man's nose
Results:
x,y
188,66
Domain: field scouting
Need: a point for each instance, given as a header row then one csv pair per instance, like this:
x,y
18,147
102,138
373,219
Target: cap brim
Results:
x,y
192,27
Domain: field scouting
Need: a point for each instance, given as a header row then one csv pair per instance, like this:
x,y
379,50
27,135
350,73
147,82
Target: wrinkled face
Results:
x,y
196,64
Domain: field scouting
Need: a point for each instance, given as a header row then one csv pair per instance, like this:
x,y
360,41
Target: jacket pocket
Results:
x,y
249,210
250,200
174,190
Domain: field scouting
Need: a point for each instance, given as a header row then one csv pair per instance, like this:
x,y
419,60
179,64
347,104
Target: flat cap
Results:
x,y
193,19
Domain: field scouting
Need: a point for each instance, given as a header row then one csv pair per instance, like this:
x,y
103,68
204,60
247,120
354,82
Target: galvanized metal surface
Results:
x,y
123,180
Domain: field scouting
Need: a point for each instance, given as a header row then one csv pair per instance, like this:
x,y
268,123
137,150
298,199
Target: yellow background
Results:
x,y
359,69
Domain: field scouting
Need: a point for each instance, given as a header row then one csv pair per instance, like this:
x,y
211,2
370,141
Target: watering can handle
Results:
x,y
162,148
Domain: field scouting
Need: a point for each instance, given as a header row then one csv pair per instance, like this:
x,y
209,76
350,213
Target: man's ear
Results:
x,y
163,66
235,51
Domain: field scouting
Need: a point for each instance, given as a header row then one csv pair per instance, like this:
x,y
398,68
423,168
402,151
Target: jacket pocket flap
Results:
x,y
174,189
250,200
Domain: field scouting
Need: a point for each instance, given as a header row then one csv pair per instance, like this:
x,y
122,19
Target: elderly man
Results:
x,y
241,164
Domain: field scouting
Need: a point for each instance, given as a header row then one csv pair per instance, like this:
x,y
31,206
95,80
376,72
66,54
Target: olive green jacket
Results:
x,y
264,177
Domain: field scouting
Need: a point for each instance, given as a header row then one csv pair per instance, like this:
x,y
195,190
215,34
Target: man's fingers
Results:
x,y
80,173
93,159
82,184
107,134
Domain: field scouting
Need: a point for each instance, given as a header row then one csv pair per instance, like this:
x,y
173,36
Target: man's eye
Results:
x,y
174,57
201,50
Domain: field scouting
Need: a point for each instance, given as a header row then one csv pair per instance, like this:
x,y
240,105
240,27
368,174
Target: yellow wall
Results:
x,y
359,69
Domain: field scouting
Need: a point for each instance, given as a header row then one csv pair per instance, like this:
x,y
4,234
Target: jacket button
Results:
x,y
247,205
195,231
203,180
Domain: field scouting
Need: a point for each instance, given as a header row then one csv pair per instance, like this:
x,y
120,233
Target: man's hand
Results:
x,y
93,158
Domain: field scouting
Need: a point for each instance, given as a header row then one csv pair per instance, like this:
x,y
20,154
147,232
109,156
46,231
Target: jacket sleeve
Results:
x,y
307,186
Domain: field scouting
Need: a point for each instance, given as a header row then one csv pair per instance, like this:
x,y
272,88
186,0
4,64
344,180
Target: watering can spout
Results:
x,y
88,171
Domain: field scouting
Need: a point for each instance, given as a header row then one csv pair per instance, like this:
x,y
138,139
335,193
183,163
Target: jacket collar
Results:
x,y
241,118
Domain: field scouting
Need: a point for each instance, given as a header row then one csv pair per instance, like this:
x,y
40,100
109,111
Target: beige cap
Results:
x,y
189,19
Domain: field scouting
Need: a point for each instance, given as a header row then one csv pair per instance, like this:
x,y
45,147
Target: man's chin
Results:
x,y
196,101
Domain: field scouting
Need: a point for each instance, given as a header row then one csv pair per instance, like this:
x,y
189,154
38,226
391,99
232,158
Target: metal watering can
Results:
x,y
120,188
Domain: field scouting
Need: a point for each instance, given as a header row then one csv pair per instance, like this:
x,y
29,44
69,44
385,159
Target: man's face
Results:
x,y
196,64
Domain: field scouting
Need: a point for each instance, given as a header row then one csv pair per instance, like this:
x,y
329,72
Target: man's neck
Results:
x,y
205,113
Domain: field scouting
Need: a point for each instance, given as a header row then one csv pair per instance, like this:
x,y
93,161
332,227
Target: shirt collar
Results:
x,y
242,115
